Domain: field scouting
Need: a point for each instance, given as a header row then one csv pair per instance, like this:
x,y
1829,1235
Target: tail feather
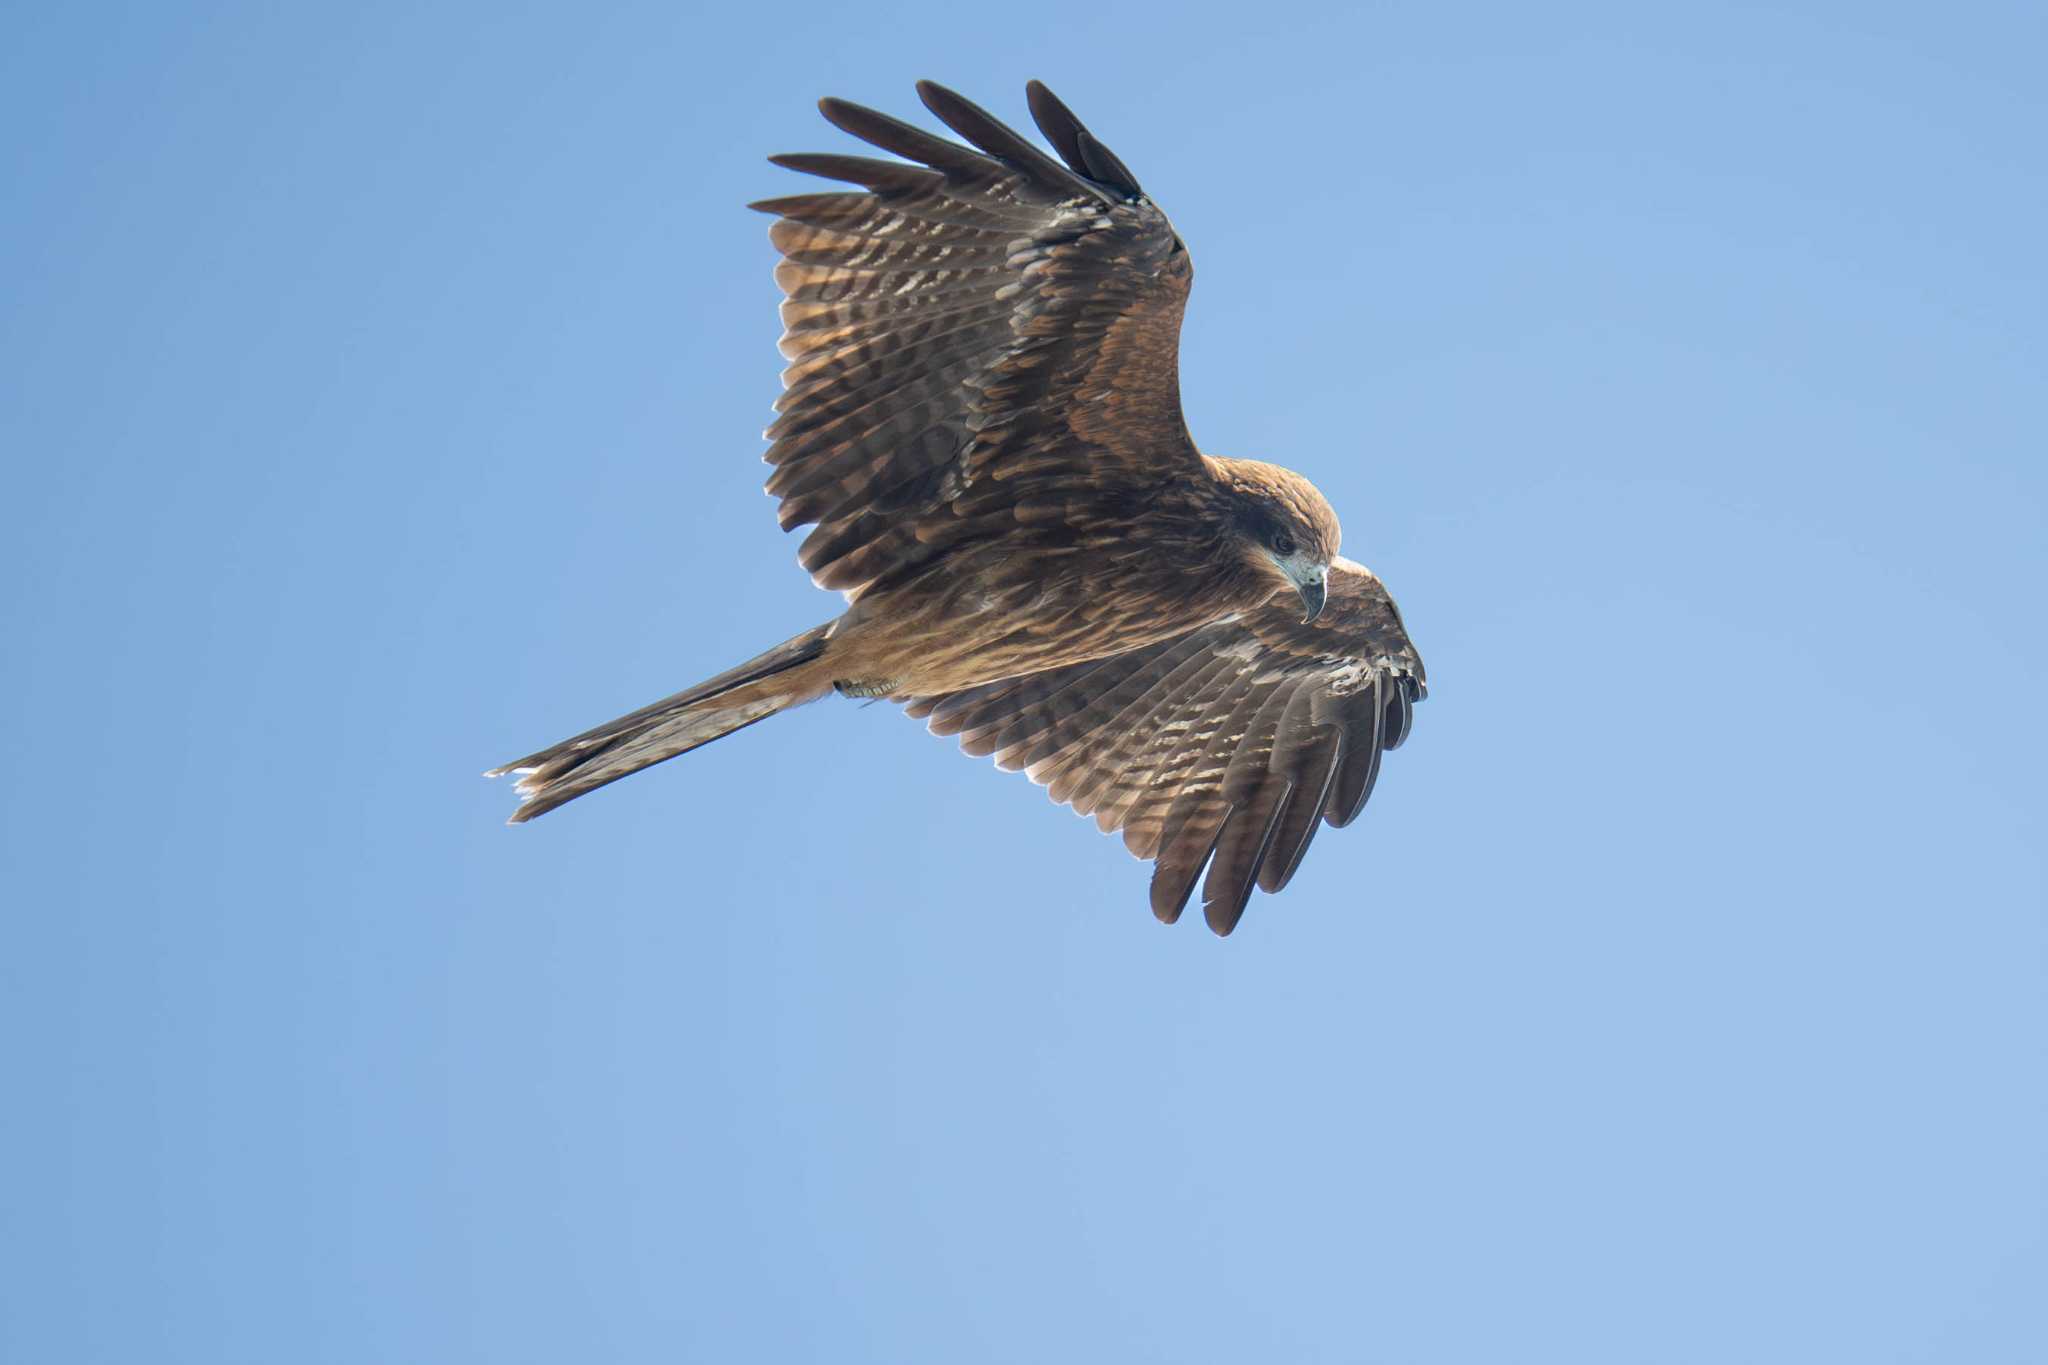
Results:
x,y
690,719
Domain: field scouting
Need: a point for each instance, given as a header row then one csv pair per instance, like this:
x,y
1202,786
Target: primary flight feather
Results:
x,y
981,424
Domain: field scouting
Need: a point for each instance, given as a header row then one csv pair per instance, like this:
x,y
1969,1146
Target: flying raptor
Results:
x,y
981,423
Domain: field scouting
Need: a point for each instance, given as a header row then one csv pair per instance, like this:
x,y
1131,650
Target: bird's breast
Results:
x,y
989,617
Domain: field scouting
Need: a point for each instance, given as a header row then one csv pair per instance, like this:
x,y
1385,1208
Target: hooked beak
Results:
x,y
1310,578
1314,593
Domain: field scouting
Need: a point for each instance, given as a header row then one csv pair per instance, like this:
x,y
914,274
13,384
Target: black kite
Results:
x,y
982,425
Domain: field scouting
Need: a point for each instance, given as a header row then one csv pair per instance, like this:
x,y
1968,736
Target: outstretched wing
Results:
x,y
1221,747
980,332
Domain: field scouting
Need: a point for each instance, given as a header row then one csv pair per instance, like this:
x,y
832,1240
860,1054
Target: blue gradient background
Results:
x,y
381,389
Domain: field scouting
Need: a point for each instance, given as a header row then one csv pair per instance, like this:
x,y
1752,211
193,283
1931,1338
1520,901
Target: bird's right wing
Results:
x,y
984,339
1218,748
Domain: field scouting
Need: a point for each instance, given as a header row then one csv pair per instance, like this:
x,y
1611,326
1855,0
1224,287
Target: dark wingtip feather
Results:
x,y
1228,889
892,134
1079,147
1001,141
1349,799
872,172
1104,165
1303,817
1400,716
1174,876
1360,769
1057,122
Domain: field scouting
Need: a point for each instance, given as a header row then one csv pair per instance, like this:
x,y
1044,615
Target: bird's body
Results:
x,y
1032,598
982,423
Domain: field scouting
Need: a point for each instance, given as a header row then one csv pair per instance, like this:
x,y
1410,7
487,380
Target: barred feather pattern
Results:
x,y
981,425
965,334
1223,748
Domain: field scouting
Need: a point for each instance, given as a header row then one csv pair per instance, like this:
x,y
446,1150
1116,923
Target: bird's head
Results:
x,y
1283,528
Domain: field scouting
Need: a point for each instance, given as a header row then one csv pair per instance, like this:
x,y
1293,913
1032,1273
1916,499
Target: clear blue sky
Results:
x,y
381,395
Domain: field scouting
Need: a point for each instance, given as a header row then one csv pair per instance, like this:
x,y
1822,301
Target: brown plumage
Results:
x,y
981,424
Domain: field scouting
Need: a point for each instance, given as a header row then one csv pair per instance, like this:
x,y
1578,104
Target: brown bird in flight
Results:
x,y
981,423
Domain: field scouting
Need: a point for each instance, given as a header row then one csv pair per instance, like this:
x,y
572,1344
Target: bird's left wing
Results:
x,y
983,342
1224,747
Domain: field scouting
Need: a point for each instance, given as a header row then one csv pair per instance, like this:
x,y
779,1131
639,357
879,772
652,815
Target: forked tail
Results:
x,y
690,719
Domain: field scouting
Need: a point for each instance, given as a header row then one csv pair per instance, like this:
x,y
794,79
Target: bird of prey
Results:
x,y
981,423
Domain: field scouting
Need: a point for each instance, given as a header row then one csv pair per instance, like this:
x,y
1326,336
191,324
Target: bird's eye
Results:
x,y
1283,544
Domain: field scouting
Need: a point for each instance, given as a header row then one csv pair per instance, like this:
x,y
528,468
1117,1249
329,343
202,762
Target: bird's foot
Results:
x,y
866,687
